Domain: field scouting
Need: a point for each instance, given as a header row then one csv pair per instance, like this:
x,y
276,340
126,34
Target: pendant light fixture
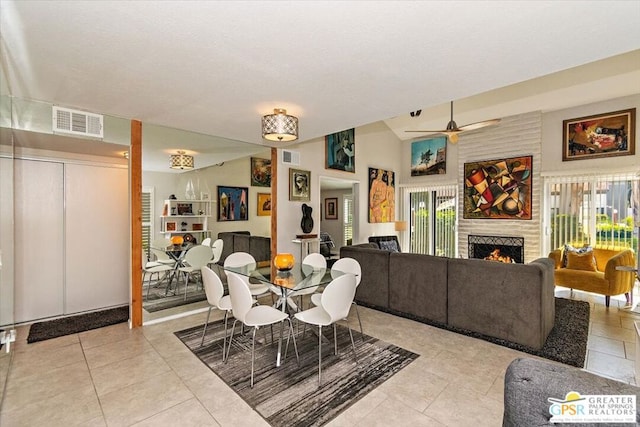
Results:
x,y
181,161
279,126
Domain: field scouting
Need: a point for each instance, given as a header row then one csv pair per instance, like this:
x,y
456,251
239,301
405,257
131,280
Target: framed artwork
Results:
x,y
340,151
260,172
429,156
264,204
299,185
185,209
498,189
602,135
331,208
233,203
171,226
382,196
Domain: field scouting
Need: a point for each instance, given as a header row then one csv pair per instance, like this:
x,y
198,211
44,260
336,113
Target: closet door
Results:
x,y
97,237
39,240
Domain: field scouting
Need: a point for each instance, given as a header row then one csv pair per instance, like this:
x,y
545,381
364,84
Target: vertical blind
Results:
x,y
433,220
147,221
594,210
347,203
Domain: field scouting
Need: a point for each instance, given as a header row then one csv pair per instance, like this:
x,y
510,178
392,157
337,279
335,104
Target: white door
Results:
x,y
97,237
39,240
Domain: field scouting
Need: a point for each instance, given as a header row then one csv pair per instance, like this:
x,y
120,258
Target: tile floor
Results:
x,y
115,376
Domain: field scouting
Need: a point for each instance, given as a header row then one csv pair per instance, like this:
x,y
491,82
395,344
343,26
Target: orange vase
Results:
x,y
283,262
177,240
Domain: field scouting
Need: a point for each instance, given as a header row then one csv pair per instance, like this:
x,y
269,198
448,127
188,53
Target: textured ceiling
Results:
x,y
216,67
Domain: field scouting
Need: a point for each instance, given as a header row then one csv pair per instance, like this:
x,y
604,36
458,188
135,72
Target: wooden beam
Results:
x,y
135,174
274,207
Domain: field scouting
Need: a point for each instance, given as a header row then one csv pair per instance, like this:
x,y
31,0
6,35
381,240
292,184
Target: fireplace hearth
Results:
x,y
497,248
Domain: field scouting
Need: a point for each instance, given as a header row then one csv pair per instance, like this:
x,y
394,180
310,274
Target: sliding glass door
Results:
x,y
433,221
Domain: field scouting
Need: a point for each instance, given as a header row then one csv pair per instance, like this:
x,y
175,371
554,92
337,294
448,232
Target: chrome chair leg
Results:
x,y
204,331
358,314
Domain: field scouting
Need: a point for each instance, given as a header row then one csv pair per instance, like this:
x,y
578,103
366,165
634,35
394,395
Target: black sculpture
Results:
x,y
307,221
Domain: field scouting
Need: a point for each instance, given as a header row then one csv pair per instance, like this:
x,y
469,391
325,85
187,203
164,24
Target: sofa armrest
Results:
x,y
556,256
620,281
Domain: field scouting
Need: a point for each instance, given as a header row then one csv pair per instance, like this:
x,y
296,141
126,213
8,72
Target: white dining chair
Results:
x,y
216,247
154,267
334,306
196,257
345,265
245,259
206,241
214,291
254,316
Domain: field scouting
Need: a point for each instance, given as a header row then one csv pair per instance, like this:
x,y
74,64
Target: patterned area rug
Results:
x,y
289,395
156,300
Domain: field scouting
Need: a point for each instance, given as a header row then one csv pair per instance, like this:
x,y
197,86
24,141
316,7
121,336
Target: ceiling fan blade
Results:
x,y
478,125
428,131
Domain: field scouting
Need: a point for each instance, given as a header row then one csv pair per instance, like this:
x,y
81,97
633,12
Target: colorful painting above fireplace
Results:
x,y
498,189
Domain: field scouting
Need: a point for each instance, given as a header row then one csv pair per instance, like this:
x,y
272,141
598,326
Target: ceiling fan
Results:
x,y
453,130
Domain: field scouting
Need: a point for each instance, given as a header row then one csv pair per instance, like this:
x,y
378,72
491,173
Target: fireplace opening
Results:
x,y
497,248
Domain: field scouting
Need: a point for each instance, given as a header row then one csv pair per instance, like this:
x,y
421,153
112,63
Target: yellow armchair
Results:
x,y
606,279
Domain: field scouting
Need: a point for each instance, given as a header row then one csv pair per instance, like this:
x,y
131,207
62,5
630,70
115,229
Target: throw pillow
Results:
x,y
584,261
388,245
568,248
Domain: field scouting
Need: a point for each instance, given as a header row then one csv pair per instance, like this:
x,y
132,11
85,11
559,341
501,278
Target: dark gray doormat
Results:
x,y
41,331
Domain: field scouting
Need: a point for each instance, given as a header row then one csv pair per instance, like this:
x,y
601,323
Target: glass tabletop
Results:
x,y
301,276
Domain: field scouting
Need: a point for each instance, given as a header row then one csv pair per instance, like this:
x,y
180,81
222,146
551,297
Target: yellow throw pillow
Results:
x,y
584,261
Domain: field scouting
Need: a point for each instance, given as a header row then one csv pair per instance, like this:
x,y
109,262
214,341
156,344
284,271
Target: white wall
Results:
x,y
376,146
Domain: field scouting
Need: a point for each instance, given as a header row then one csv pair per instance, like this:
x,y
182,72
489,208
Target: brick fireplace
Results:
x,y
498,248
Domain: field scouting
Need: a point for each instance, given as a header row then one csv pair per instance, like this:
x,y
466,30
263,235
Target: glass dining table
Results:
x,y
301,279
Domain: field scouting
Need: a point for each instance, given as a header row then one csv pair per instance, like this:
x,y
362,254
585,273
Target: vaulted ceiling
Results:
x,y
216,67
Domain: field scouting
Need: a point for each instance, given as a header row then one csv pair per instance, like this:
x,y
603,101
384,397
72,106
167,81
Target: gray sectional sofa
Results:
x,y
514,302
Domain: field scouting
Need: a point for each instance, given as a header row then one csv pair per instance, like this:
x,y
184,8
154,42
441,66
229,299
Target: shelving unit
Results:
x,y
186,216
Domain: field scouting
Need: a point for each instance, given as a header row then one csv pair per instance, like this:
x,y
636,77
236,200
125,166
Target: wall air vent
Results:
x,y
291,157
77,122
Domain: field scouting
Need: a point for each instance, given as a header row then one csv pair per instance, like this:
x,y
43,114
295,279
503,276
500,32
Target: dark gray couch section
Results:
x,y
528,383
418,285
510,301
242,241
374,286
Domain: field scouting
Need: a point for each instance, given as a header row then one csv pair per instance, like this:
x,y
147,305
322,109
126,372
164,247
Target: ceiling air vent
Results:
x,y
291,157
77,122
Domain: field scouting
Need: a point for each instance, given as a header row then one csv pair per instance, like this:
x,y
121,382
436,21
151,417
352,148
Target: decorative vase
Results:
x,y
190,193
283,262
177,240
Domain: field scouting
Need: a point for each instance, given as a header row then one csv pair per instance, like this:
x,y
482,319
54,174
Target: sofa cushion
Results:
x,y
374,285
387,243
418,285
581,261
514,302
